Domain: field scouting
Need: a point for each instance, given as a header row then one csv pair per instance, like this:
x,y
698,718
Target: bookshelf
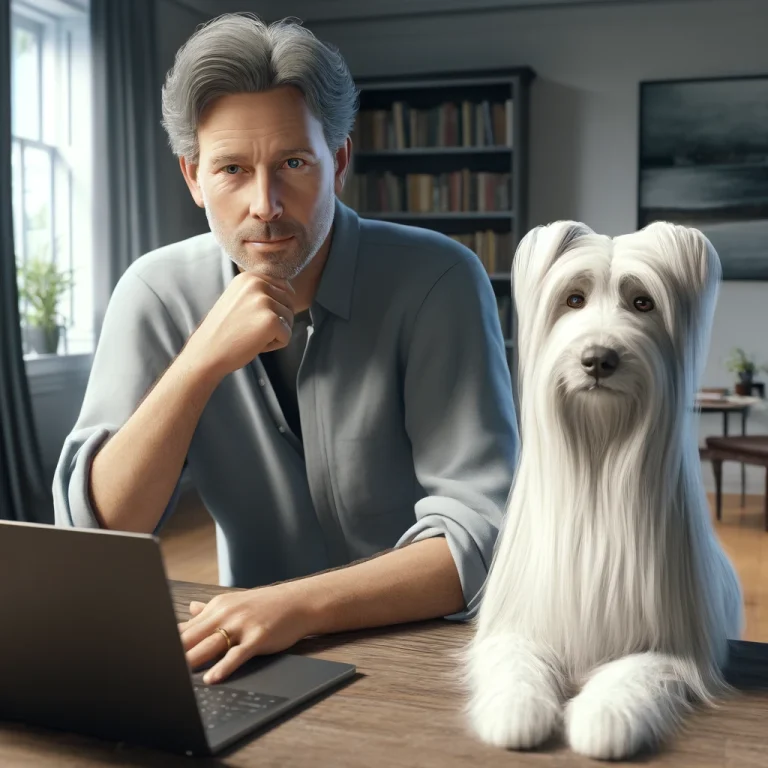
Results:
x,y
449,152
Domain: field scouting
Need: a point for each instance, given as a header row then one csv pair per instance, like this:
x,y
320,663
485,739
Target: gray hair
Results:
x,y
239,53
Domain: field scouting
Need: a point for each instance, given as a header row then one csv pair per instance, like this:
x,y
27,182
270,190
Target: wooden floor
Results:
x,y
745,540
189,548
188,541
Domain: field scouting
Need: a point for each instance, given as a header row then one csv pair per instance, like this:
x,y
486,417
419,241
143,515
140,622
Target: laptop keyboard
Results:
x,y
220,705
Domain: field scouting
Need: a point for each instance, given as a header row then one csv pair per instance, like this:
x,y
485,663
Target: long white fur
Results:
x,y
609,601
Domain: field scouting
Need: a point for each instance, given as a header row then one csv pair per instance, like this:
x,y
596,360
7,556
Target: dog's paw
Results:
x,y
520,716
595,729
628,705
515,691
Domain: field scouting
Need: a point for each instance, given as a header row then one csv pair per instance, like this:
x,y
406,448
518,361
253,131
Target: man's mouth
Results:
x,y
272,241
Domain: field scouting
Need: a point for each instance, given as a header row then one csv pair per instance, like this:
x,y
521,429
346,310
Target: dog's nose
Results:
x,y
600,362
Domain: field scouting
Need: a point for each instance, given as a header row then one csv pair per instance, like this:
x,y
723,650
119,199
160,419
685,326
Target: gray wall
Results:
x,y
180,217
584,114
56,387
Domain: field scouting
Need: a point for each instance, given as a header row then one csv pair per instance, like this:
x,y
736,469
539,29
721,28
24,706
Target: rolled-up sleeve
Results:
x,y
138,341
460,417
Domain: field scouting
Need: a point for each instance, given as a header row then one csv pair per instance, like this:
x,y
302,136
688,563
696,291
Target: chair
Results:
x,y
752,449
717,402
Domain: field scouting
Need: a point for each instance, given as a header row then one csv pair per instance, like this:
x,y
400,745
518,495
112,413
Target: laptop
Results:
x,y
90,645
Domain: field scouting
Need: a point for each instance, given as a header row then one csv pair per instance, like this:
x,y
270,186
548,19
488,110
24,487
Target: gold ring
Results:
x,y
225,635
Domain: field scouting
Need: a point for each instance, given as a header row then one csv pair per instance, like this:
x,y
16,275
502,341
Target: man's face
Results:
x,y
266,179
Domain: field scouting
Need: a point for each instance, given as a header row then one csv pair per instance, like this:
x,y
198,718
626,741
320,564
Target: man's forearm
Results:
x,y
416,582
133,475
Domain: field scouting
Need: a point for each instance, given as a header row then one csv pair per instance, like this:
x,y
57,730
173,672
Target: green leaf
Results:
x,y
41,285
740,362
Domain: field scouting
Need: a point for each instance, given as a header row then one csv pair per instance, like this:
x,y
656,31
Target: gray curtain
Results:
x,y
127,129
24,494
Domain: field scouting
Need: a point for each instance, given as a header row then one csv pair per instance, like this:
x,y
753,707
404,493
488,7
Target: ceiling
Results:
x,y
342,11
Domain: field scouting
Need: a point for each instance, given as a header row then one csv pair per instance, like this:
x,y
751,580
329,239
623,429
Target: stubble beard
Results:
x,y
284,264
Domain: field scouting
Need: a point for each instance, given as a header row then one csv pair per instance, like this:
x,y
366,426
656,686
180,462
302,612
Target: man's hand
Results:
x,y
258,621
419,581
244,322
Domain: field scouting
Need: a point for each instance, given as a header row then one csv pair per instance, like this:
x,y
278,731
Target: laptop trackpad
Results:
x,y
285,674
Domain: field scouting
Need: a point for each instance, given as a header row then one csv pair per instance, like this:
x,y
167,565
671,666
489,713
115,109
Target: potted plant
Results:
x,y
745,367
41,286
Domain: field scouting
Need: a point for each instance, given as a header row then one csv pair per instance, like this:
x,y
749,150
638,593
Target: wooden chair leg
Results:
x,y
717,470
743,485
765,501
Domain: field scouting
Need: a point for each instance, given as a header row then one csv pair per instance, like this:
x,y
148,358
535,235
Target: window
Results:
x,y
50,129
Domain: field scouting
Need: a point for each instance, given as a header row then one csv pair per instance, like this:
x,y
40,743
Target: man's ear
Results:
x,y
189,171
341,161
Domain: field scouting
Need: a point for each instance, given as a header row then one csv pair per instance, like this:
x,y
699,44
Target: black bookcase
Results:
x,y
449,152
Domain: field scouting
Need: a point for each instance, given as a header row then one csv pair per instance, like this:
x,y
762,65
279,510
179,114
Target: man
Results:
x,y
337,387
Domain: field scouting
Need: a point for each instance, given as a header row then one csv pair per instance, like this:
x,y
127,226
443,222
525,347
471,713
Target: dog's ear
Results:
x,y
534,257
536,254
690,268
686,255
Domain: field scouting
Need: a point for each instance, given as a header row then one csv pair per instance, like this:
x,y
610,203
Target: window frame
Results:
x,y
54,34
37,28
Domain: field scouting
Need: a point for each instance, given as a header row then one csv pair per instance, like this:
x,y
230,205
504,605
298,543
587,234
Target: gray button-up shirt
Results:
x,y
409,427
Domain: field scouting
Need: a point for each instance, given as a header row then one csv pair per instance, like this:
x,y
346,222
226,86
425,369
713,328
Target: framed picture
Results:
x,y
703,162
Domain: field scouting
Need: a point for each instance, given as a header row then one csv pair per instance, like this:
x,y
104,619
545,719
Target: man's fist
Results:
x,y
253,315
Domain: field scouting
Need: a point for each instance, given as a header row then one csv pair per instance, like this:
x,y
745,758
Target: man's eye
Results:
x,y
293,162
228,168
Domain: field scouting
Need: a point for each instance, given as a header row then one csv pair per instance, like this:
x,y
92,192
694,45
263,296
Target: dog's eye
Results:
x,y
575,301
644,304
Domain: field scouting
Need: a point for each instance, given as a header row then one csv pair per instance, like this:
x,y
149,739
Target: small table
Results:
x,y
747,450
727,406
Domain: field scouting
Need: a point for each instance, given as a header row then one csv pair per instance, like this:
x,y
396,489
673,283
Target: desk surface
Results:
x,y
736,403
402,710
719,406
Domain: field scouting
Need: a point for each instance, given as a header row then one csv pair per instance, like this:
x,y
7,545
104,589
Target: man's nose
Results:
x,y
265,197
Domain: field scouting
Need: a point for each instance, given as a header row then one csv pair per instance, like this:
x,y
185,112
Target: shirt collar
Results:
x,y
338,279
334,293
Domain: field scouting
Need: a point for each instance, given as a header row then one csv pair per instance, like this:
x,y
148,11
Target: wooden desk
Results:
x,y
403,710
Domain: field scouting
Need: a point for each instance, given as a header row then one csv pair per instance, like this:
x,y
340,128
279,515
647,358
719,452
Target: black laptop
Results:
x,y
90,644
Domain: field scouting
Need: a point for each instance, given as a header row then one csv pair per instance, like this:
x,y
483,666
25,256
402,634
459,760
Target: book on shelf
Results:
x,y
451,124
494,249
460,191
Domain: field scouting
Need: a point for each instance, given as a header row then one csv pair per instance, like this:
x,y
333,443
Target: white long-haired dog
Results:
x,y
609,601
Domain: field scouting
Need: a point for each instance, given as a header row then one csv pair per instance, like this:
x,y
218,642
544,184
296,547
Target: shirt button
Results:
x,y
281,429
261,382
